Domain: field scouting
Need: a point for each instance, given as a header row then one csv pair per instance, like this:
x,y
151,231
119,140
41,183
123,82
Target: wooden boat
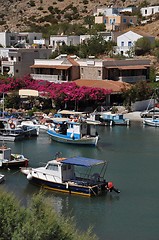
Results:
x,y
74,131
60,175
10,160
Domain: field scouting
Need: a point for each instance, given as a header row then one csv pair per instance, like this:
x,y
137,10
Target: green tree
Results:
x,y
152,75
138,92
142,46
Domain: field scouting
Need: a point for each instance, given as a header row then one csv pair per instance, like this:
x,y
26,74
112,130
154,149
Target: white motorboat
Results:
x,y
60,174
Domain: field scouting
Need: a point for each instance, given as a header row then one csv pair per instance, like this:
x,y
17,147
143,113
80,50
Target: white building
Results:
x,y
126,42
148,11
59,40
109,11
9,39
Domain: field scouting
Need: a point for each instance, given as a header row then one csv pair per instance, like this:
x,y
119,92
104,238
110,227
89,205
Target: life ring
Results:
x,y
12,126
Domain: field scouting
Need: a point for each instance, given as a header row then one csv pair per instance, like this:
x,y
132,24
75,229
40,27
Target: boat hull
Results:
x,y
11,138
64,139
152,123
70,189
15,164
2,178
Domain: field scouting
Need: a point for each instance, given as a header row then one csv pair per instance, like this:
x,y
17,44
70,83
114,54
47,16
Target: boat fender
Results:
x,y
29,176
72,135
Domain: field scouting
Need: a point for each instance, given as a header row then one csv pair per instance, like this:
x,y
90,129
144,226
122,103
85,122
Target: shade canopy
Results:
x,y
82,161
28,92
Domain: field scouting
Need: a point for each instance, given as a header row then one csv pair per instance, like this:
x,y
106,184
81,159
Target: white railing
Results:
x,y
50,78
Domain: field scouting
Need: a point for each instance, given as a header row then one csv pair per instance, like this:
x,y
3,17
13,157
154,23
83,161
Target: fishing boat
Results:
x,y
2,178
74,131
114,119
9,131
60,174
11,160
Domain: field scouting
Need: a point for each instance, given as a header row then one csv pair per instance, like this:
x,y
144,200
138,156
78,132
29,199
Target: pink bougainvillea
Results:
x,y
63,92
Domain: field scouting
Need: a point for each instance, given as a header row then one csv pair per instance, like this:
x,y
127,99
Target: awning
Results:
x,y
82,161
28,92
127,67
51,66
135,67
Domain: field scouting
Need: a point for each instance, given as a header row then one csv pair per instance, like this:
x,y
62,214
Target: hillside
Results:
x,y
18,15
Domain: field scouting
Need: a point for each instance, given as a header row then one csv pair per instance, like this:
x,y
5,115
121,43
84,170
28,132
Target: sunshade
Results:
x,y
82,161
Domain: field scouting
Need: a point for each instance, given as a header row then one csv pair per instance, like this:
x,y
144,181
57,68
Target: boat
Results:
x,y
60,175
9,131
2,178
74,131
114,119
29,128
11,160
153,120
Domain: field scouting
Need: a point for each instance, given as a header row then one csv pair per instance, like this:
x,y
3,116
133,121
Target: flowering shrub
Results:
x,y
62,93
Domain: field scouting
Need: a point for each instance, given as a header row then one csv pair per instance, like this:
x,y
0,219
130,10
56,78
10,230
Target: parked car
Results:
x,y
150,113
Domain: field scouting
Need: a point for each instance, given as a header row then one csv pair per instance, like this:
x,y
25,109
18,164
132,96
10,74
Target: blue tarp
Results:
x,y
82,161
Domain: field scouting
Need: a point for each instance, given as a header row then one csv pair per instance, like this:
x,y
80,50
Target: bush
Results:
x,y
38,221
32,3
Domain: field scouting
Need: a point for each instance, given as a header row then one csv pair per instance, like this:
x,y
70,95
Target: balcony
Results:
x,y
50,78
132,79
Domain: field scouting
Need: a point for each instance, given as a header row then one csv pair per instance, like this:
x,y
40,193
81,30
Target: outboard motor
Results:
x,y
110,187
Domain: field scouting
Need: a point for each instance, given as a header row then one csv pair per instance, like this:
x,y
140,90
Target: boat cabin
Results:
x,y
76,129
5,153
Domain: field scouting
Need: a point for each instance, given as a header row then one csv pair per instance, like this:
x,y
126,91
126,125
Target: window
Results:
x,y
11,57
99,73
124,20
17,70
122,44
145,11
129,44
81,70
111,21
12,38
52,167
19,59
131,20
105,21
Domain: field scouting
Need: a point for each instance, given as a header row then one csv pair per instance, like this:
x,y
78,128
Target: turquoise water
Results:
x,y
133,165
